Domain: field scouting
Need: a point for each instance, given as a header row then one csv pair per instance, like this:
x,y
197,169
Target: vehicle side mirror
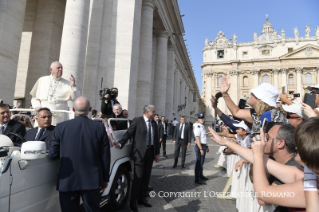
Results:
x,y
33,150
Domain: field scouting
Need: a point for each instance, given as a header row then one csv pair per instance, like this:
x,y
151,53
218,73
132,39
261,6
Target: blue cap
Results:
x,y
201,115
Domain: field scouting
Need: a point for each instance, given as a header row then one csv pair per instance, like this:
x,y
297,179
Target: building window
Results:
x,y
290,50
245,54
219,81
265,52
220,54
266,79
308,78
290,79
245,81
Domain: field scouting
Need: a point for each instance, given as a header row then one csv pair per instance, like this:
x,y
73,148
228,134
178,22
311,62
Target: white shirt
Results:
x,y
244,143
180,126
39,131
164,127
200,131
310,180
175,123
4,126
146,122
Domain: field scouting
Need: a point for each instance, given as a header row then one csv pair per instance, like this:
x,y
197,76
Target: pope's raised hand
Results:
x,y
72,81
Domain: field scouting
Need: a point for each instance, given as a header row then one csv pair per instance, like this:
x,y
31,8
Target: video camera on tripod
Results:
x,y
111,92
104,92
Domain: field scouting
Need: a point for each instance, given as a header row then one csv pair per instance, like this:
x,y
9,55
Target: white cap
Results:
x,y
242,125
311,87
267,93
295,107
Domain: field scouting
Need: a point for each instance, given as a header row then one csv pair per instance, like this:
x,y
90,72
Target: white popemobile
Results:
x,y
28,177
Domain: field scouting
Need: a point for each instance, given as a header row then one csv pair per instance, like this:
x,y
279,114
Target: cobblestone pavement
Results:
x,y
167,179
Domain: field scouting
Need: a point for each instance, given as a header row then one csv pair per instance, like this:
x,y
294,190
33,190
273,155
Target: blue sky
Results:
x,y
205,18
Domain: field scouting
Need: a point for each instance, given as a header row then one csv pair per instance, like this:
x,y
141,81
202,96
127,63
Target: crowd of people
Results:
x,y
284,152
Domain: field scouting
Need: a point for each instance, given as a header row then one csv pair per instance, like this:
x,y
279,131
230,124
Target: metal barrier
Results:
x,y
242,188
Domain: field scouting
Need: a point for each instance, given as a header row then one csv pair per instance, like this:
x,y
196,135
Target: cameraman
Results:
x,y
108,101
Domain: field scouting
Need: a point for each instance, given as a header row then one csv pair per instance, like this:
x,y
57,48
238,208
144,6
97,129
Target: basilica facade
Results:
x,y
271,57
134,45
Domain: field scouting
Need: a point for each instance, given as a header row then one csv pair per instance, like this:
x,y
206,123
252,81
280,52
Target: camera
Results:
x,y
112,94
297,95
103,92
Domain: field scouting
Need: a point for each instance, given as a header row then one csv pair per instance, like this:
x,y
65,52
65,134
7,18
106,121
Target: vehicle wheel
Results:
x,y
120,188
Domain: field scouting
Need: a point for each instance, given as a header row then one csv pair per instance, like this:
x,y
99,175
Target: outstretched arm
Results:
x,y
234,109
284,173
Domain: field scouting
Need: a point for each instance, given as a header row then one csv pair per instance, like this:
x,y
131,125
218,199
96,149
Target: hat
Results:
x,y
267,93
295,107
242,125
312,87
201,115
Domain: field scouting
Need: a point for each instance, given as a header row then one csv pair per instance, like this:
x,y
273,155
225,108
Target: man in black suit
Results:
x,y
10,126
182,138
44,130
84,151
108,101
145,149
164,135
159,127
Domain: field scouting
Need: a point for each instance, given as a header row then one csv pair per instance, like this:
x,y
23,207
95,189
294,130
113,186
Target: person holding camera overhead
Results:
x,y
108,100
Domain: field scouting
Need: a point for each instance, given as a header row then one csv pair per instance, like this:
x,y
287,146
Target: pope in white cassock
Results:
x,y
53,92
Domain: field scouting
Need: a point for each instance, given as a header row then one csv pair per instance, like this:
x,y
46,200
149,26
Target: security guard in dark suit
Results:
x,y
182,138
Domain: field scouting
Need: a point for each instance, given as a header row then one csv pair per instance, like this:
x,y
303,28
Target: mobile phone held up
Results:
x,y
310,100
283,89
242,104
265,124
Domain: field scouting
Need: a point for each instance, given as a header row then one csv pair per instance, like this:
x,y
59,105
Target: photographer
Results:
x,y
108,100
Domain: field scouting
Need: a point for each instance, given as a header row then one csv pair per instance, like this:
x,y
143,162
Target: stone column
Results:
x,y
299,79
177,93
284,76
11,25
144,76
170,81
160,73
210,77
96,63
124,51
182,96
74,40
174,93
255,74
153,66
186,101
275,72
24,53
234,74
46,41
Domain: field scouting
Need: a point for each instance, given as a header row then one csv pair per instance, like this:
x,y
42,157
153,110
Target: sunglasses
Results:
x,y
292,117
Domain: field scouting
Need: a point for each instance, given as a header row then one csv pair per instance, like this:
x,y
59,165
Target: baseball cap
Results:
x,y
295,107
312,87
242,125
201,115
267,93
